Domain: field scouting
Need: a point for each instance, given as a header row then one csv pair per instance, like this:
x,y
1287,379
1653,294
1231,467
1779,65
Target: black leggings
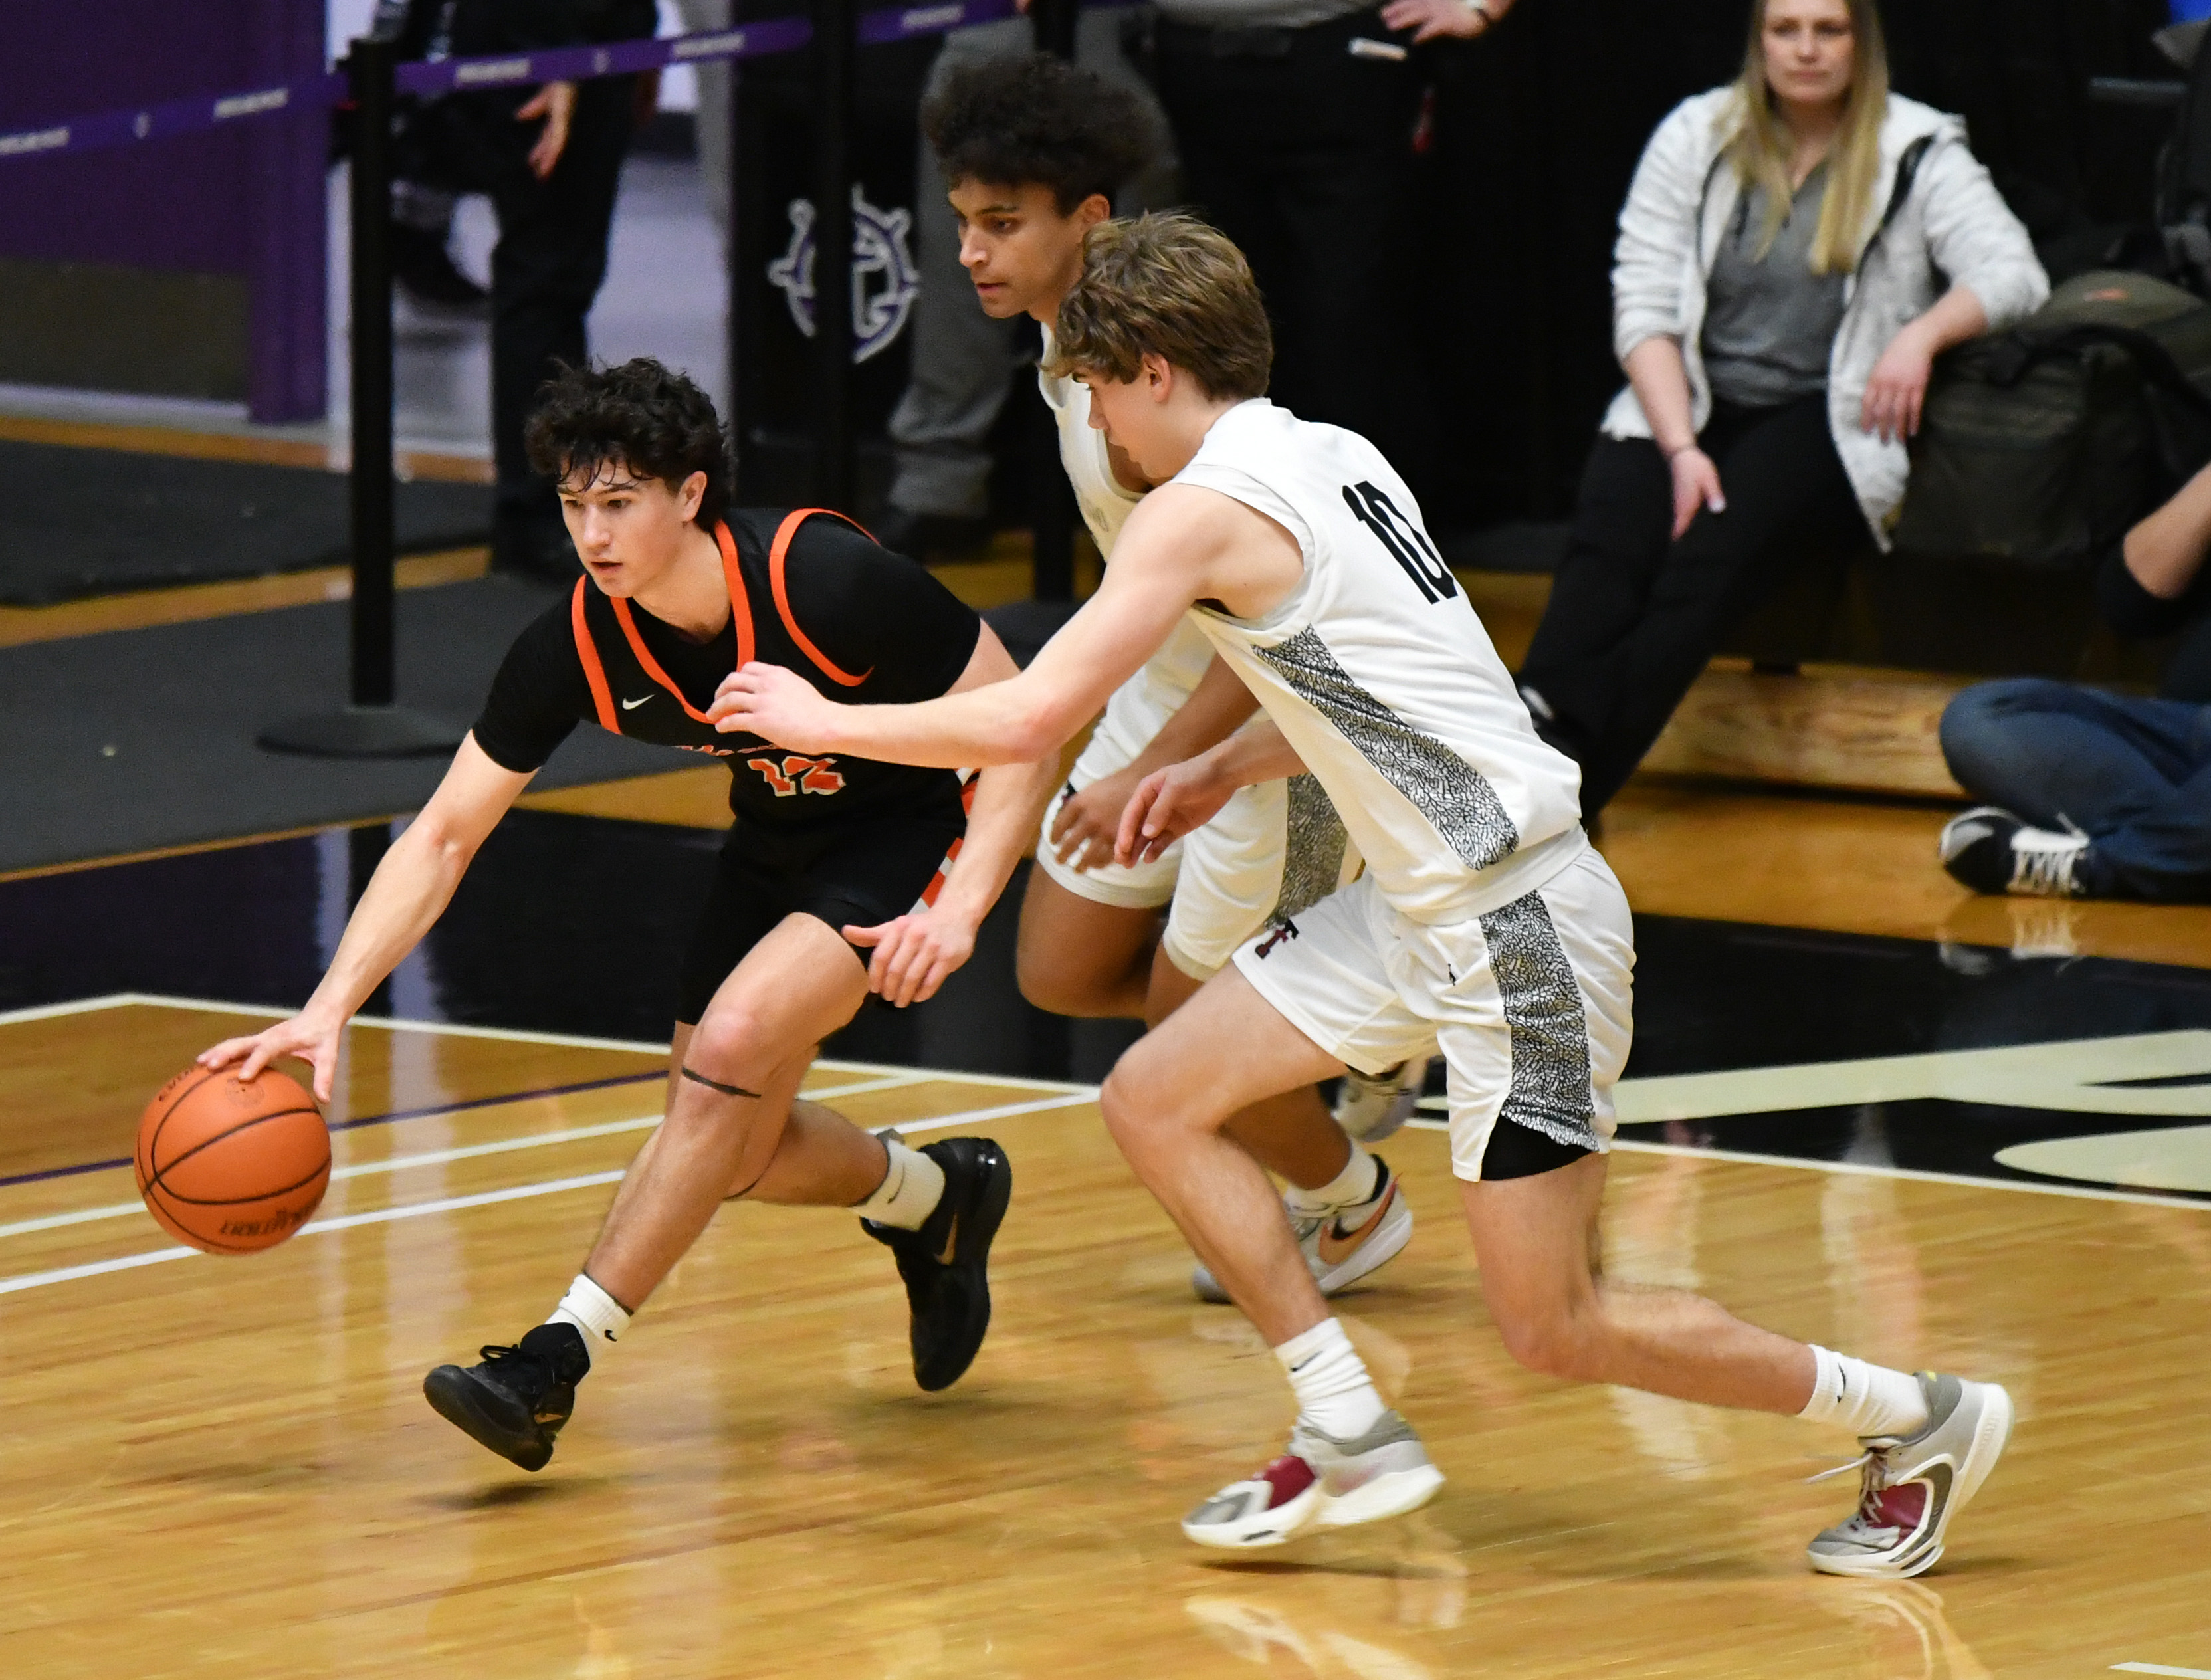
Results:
x,y
1634,615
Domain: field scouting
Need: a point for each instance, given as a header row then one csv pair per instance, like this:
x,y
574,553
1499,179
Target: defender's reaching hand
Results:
x,y
779,706
1169,803
1083,834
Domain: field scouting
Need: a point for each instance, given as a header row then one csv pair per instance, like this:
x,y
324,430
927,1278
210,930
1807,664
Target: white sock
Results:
x,y
1335,1394
1868,1400
591,1310
912,1187
1358,1182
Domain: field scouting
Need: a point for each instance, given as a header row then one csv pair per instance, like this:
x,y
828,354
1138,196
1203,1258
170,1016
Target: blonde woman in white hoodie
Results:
x,y
1795,250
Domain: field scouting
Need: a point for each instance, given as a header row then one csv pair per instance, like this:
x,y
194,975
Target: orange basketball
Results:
x,y
231,1167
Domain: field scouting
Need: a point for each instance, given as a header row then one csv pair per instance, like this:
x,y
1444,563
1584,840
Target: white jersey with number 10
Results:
x,y
1383,678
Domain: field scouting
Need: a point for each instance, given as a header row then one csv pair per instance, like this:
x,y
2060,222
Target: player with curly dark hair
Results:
x,y
841,875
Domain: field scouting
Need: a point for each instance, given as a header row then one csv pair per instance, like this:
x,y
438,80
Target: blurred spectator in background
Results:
x,y
2092,794
1776,303
963,361
711,121
550,159
422,250
1294,121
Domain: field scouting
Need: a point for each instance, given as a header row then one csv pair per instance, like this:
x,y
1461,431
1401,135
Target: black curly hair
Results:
x,y
1011,121
641,416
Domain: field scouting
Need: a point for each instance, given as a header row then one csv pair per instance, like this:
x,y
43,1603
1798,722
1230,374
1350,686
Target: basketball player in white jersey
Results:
x,y
1484,924
1032,150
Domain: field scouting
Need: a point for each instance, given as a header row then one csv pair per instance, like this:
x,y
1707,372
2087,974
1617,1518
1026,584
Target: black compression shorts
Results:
x,y
854,874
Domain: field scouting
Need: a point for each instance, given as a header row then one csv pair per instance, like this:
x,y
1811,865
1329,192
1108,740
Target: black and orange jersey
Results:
x,y
809,591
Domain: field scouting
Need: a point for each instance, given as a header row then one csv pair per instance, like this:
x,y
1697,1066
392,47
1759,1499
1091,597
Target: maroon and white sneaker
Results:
x,y
1911,1488
1320,1483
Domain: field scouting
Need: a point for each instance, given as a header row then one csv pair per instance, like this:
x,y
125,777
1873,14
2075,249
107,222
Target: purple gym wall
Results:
x,y
248,203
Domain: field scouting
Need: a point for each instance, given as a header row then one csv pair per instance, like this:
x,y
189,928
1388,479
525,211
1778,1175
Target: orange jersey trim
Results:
x,y
777,554
595,673
952,853
741,614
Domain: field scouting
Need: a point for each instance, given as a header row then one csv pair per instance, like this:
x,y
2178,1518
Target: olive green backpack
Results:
x,y
2040,445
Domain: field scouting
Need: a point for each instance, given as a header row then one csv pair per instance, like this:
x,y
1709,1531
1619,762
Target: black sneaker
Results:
x,y
1992,850
516,1400
944,1263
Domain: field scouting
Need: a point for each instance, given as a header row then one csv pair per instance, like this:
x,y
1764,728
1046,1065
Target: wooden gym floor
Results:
x,y
224,1467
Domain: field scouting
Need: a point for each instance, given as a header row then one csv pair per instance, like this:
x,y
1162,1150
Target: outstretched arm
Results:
x,y
405,897
914,954
1159,566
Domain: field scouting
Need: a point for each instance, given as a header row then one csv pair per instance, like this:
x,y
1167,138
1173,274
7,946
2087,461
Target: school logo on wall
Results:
x,y
885,281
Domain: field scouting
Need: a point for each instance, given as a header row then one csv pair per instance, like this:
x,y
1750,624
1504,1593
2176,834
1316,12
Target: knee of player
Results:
x,y
1553,1342
1134,1106
725,1058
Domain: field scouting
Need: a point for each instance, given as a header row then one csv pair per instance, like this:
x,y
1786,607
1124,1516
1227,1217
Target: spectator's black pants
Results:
x,y
1301,152
1634,615
545,271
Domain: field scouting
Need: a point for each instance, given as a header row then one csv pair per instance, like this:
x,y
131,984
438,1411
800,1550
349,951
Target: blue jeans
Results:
x,y
2133,774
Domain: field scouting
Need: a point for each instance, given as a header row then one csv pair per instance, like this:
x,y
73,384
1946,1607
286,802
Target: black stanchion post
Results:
x,y
1052,513
1053,21
371,727
835,40
370,208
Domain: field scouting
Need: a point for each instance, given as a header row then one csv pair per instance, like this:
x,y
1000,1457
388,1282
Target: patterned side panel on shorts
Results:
x,y
1454,797
1550,1088
1313,851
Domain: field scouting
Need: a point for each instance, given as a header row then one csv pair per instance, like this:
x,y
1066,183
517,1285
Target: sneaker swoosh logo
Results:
x,y
951,1242
632,705
1337,1244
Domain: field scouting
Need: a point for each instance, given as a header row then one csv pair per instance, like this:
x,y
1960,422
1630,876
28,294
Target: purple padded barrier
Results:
x,y
246,201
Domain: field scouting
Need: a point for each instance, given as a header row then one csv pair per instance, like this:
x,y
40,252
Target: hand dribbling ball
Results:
x,y
232,1166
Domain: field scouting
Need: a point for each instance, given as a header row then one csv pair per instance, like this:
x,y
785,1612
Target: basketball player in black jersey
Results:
x,y
841,875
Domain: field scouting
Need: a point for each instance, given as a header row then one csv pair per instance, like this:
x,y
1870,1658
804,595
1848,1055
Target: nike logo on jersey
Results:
x,y
632,705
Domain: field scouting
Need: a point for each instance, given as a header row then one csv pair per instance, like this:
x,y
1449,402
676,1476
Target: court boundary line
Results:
x,y
1017,1082
402,1163
506,1034
347,1222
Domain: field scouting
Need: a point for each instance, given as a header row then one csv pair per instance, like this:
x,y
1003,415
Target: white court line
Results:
x,y
2161,1668
399,1163
53,1011
1074,1099
509,1034
33,1280
1868,1169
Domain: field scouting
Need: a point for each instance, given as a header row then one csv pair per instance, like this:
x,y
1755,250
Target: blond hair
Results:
x,y
1762,146
1165,285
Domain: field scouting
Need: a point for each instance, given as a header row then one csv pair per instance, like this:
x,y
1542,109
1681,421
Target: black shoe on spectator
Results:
x,y
1992,850
424,267
930,537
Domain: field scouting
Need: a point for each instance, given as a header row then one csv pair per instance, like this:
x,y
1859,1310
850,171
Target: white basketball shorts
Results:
x,y
1274,850
1139,886
1530,1005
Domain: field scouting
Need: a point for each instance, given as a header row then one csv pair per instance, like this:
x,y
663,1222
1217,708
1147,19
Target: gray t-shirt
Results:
x,y
1769,326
